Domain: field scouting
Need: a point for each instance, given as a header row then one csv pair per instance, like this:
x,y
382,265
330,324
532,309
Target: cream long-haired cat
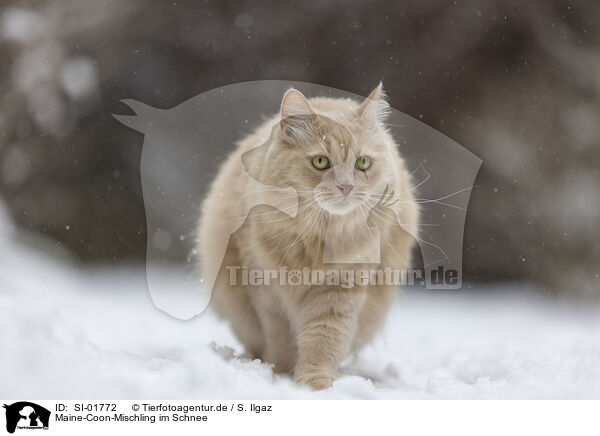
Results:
x,y
352,196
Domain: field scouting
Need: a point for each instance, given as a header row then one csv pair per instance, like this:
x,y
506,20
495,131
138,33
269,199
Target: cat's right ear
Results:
x,y
296,115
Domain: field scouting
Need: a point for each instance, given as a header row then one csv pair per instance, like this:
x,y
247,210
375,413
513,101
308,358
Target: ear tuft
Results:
x,y
294,104
296,115
375,107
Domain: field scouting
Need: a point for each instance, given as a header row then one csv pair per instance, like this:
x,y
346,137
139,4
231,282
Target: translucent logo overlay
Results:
x,y
185,147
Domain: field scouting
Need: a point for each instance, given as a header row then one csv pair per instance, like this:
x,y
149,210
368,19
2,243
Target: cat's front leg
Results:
x,y
327,324
280,349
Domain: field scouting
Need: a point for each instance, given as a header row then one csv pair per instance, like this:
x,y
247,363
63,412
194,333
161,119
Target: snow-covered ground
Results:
x,y
72,333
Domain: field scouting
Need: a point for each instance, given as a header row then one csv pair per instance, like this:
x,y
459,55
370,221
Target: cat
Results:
x,y
349,182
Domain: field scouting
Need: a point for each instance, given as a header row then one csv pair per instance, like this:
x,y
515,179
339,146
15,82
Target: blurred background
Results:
x,y
516,83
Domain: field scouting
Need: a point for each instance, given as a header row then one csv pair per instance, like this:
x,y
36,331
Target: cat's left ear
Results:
x,y
375,108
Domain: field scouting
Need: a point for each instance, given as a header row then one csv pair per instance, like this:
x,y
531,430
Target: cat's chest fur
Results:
x,y
272,239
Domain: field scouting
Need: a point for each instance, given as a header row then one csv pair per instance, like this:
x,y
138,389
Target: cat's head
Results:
x,y
335,151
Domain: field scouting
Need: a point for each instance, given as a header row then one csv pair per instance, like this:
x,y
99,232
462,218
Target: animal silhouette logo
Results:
x,y
26,415
185,145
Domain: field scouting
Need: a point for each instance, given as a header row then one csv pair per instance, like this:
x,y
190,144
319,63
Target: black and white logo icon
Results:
x,y
26,415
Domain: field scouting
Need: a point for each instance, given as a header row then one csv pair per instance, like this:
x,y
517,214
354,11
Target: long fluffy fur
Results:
x,y
308,330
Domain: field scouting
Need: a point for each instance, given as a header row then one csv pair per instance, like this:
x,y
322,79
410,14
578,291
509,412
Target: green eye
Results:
x,y
320,162
363,163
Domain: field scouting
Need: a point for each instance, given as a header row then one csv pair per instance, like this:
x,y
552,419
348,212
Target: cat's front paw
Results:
x,y
316,381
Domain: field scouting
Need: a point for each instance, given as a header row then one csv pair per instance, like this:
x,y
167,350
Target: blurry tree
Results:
x,y
515,82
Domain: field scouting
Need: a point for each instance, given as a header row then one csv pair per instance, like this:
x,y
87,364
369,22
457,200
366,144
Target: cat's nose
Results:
x,y
345,188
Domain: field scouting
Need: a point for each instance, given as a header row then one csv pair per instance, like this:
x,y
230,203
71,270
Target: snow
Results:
x,y
78,77
20,25
74,332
